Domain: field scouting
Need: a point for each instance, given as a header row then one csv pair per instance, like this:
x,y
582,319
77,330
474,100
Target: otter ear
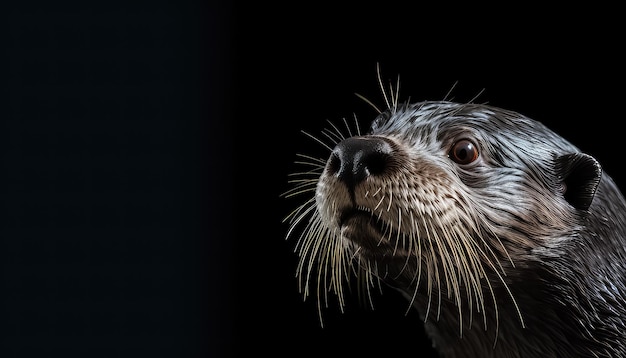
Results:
x,y
580,174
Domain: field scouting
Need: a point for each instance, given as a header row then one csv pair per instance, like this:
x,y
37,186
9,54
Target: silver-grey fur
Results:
x,y
519,253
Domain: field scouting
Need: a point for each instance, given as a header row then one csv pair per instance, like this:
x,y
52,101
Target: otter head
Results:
x,y
443,201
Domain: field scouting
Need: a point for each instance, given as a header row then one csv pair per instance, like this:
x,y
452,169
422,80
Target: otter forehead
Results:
x,y
504,136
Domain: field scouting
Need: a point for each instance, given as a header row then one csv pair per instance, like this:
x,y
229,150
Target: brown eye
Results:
x,y
463,152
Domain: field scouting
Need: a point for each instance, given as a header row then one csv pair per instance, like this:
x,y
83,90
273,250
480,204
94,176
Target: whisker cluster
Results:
x,y
322,251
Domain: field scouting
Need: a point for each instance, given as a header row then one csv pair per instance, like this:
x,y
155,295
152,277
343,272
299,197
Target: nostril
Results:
x,y
377,162
354,159
334,163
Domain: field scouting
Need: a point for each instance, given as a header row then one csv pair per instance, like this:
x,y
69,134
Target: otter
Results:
x,y
505,237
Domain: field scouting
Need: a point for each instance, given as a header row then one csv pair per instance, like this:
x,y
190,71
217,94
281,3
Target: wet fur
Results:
x,y
519,254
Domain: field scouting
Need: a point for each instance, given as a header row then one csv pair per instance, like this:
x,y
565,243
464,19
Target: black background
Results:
x,y
145,146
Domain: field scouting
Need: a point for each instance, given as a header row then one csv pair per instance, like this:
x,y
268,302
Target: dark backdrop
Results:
x,y
302,68
145,147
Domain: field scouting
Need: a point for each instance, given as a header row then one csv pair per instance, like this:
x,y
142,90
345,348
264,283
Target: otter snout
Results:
x,y
357,158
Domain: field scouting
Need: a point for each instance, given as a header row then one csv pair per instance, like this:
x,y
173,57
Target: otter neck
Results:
x,y
484,336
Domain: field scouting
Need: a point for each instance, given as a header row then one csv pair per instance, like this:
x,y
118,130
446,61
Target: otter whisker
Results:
x,y
365,284
448,269
323,286
314,233
385,235
452,256
432,265
468,211
379,202
407,259
417,276
317,162
332,137
506,287
331,269
377,282
472,269
496,312
318,141
315,172
414,244
336,134
490,250
340,135
312,174
309,178
395,248
447,96
345,122
382,87
358,128
356,253
367,279
302,185
299,214
397,95
491,233
321,283
339,271
452,260
370,283
302,189
362,286
369,102
476,96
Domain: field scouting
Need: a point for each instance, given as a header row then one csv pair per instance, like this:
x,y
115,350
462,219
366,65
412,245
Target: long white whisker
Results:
x,y
447,96
319,141
356,123
382,87
338,133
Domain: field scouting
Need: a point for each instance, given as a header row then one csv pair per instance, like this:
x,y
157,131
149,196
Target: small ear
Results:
x,y
580,173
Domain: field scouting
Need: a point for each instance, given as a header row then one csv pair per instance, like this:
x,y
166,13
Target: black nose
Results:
x,y
354,159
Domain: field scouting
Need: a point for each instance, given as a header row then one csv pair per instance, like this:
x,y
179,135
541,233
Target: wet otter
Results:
x,y
506,238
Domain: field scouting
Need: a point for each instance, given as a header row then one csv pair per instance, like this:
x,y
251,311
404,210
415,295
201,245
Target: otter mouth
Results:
x,y
356,213
361,226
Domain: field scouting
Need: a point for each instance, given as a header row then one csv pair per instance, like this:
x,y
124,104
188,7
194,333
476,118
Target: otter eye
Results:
x,y
463,152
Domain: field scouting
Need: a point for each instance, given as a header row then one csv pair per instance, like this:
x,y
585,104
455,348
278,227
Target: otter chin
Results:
x,y
505,237
361,228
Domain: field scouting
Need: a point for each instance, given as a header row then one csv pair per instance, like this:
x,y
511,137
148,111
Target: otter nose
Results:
x,y
354,159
